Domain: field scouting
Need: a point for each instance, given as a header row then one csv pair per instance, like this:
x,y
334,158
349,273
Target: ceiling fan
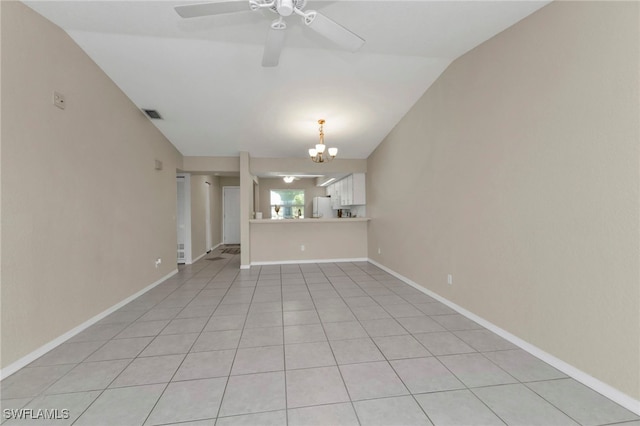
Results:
x,y
283,8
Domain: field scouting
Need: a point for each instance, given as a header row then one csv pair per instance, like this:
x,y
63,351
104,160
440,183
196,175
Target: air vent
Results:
x,y
153,114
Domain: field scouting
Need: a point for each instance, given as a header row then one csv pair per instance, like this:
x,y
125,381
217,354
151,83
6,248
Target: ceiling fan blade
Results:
x,y
273,47
206,9
333,31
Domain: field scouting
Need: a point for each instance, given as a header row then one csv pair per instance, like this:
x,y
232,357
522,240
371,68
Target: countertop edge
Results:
x,y
319,220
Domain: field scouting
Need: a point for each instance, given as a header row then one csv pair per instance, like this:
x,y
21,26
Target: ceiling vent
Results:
x,y
153,114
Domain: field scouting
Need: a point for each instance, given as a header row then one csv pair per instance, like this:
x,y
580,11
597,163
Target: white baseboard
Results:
x,y
289,262
599,386
205,253
29,358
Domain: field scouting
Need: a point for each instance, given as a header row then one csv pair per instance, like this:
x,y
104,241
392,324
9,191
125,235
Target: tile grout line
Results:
x,y
191,347
440,362
284,353
385,356
409,333
551,403
224,391
340,287
118,375
102,391
470,389
344,383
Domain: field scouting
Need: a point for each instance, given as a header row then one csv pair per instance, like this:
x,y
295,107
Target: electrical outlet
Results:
x,y
158,262
449,279
302,247
379,250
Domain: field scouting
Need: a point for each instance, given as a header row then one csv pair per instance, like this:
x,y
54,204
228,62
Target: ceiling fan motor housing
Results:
x,y
287,7
284,7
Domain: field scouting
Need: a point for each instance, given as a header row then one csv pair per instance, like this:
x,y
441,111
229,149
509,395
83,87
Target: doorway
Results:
x,y
231,215
207,218
183,218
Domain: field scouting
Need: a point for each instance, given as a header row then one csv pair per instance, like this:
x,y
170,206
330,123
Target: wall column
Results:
x,y
246,210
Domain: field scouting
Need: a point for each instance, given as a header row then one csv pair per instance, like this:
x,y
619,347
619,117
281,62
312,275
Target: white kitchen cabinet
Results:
x,y
344,196
350,191
336,202
359,189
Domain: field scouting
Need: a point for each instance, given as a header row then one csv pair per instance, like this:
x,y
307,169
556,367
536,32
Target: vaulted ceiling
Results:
x,y
204,75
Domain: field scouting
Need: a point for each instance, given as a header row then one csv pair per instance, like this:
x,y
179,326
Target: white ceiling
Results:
x,y
204,75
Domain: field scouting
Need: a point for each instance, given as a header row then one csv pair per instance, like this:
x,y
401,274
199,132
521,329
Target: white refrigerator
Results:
x,y
322,207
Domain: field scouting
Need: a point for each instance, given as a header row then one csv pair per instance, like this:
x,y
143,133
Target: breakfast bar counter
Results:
x,y
322,240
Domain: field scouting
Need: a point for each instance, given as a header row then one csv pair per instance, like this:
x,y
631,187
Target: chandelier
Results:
x,y
317,154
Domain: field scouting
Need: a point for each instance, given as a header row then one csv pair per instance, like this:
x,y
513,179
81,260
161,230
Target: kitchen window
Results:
x,y
289,203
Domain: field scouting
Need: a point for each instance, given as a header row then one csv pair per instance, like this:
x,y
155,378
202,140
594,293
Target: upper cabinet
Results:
x,y
359,189
333,191
350,191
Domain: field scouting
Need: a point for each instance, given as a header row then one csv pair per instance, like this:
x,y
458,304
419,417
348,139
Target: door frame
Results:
x,y
188,260
207,217
224,216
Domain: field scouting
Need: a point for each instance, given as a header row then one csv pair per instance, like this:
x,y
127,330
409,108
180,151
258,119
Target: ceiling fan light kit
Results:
x,y
317,153
318,22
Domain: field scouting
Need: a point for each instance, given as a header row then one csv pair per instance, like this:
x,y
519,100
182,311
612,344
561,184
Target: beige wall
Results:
x,y
260,166
246,208
526,150
281,240
199,188
229,181
310,191
207,166
84,213
216,211
1,362
211,164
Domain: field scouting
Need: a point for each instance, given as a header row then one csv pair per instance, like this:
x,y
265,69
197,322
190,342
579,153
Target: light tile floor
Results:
x,y
307,344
